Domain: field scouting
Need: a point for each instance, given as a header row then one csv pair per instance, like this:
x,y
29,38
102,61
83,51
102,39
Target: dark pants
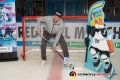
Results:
x,y
44,44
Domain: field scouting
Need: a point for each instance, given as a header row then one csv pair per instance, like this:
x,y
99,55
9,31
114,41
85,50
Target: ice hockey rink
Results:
x,y
53,70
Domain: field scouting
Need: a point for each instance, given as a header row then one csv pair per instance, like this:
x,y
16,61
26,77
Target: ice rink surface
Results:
x,y
53,70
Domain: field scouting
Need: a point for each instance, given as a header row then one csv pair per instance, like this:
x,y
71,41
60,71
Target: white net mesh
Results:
x,y
73,34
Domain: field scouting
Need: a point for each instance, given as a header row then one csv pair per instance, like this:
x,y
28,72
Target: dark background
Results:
x,y
68,7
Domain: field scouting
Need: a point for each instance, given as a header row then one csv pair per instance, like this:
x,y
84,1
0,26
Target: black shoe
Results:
x,y
97,63
109,69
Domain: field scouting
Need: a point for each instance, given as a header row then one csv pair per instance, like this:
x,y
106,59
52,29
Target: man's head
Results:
x,y
57,15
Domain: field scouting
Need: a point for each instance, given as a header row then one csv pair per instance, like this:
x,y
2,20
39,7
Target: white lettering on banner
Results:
x,y
5,49
73,31
36,43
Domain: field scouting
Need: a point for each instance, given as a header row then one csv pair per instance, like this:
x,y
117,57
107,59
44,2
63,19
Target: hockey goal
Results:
x,y
73,33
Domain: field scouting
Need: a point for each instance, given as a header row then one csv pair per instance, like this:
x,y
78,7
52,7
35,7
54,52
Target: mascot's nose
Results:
x,y
100,22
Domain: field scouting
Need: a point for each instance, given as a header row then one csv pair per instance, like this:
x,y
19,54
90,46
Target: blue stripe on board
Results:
x,y
32,43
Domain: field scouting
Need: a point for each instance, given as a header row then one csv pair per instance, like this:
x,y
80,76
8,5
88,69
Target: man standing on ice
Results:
x,y
54,29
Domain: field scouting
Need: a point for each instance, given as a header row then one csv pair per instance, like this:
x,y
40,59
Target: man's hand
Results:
x,y
54,48
38,31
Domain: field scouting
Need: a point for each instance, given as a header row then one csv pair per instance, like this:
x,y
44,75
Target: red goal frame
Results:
x,y
23,36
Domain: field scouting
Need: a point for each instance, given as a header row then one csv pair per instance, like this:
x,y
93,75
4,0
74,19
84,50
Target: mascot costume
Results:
x,y
98,42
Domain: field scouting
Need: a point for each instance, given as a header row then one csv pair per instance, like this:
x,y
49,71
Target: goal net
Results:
x,y
74,35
